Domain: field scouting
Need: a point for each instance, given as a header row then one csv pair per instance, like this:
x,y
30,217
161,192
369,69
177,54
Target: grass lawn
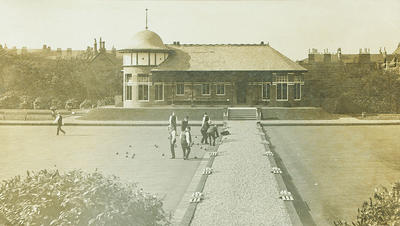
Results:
x,y
336,168
25,148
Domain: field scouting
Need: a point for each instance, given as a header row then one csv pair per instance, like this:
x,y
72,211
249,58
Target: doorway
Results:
x,y
241,90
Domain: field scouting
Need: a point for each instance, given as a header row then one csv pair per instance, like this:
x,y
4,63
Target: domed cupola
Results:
x,y
147,40
147,49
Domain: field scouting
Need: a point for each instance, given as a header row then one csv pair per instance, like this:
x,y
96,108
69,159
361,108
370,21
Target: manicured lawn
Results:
x,y
336,168
25,148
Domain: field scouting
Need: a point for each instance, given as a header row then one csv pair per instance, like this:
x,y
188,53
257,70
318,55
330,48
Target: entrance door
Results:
x,y
241,89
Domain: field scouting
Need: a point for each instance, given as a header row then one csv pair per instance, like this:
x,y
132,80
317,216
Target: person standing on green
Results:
x,y
186,142
185,123
172,120
172,141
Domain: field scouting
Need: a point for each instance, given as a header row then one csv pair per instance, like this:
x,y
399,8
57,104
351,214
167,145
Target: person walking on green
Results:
x,y
59,121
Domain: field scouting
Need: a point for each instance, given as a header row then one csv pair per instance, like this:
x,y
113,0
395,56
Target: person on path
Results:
x,y
172,142
59,121
186,142
206,118
172,121
212,132
185,123
203,130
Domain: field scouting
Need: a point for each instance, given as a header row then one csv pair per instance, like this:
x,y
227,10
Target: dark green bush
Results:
x,y
76,198
382,209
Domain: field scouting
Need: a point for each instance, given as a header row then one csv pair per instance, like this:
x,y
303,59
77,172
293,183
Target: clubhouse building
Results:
x,y
156,74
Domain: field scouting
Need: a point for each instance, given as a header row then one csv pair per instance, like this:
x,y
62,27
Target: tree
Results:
x,y
382,209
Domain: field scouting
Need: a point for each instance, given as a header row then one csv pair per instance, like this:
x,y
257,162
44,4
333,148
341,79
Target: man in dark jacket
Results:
x,y
185,123
212,132
59,121
186,142
203,131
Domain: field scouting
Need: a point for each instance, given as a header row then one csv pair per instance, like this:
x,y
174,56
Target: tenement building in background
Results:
x,y
155,73
363,59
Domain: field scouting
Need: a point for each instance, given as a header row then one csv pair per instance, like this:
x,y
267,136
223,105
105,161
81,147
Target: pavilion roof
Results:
x,y
229,57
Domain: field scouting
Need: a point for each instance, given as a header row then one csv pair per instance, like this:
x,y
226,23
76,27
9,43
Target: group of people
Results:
x,y
208,130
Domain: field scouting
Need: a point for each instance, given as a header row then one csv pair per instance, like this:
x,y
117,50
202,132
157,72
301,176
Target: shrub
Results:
x,y
57,103
9,100
86,104
382,209
71,104
42,103
76,198
26,102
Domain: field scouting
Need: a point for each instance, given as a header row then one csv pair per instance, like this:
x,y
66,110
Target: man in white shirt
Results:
x,y
172,141
172,121
206,118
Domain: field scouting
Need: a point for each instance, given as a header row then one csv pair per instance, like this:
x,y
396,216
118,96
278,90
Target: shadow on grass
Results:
x,y
302,209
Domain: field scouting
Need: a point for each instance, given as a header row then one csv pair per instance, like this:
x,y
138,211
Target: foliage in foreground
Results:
x,y
382,209
76,198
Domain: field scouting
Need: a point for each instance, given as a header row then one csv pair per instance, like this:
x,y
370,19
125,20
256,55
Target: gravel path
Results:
x,y
242,191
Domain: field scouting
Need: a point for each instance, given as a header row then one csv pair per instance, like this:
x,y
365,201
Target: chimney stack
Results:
x,y
95,47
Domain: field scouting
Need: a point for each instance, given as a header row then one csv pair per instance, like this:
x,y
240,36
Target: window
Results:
x,y
220,89
128,78
143,92
205,89
297,91
159,91
128,92
281,78
266,87
281,87
180,89
297,78
143,78
127,59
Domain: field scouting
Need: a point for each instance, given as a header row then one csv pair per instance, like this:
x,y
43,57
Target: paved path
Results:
x,y
242,191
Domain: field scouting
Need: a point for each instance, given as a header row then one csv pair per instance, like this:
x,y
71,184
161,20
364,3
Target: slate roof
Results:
x,y
230,57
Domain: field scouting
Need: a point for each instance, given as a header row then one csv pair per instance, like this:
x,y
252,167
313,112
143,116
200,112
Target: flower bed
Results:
x,y
76,198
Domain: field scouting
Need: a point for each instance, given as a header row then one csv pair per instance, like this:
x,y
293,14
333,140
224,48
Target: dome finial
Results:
x,y
146,19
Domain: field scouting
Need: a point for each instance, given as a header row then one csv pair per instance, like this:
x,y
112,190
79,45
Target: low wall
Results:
x,y
300,113
153,114
21,114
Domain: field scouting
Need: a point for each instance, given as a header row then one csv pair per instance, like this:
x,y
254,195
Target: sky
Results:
x,y
290,26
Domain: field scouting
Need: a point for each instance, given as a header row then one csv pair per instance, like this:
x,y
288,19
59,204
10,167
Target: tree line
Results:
x,y
353,88
37,81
